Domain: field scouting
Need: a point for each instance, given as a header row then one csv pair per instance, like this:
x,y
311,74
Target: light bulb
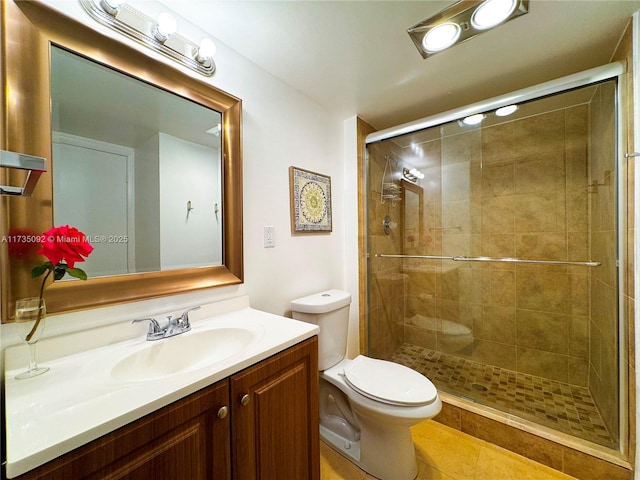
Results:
x,y
441,37
206,50
112,7
165,27
491,13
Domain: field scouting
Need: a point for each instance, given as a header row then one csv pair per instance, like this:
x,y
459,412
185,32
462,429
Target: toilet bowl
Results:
x,y
367,406
452,336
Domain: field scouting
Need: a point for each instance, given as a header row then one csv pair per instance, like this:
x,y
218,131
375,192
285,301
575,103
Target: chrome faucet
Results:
x,y
174,326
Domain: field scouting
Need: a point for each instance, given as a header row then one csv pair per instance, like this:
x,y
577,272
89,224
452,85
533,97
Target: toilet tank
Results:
x,y
330,311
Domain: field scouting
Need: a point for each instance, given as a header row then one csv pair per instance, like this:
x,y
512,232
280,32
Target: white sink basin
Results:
x,y
183,353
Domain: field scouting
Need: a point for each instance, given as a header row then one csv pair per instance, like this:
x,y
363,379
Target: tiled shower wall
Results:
x,y
519,189
603,327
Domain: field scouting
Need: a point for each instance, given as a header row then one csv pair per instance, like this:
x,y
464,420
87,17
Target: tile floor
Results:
x,y
563,407
444,453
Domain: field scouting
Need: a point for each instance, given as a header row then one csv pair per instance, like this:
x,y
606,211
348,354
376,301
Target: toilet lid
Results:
x,y
389,382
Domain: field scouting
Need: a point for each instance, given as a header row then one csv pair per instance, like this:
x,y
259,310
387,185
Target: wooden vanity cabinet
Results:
x,y
261,423
274,423
183,440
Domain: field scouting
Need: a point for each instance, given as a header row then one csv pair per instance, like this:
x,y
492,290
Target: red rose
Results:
x,y
65,243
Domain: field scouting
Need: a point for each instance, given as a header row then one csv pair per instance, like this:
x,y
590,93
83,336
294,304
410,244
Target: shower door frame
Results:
x,y
613,71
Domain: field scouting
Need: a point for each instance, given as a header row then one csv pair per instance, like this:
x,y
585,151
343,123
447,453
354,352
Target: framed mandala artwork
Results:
x,y
310,201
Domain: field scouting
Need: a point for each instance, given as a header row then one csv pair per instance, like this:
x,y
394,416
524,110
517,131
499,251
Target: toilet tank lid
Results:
x,y
321,302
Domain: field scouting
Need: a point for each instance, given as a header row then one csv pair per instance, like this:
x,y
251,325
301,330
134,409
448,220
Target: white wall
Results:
x,y
281,127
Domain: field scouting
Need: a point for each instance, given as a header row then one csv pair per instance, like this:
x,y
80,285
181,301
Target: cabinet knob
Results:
x,y
245,399
222,413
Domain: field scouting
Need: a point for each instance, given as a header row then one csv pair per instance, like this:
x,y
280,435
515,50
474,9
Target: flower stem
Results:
x,y
39,317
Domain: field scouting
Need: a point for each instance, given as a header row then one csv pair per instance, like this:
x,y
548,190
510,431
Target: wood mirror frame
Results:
x,y
28,30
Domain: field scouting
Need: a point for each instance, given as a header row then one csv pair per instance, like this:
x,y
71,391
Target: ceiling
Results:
x,y
355,57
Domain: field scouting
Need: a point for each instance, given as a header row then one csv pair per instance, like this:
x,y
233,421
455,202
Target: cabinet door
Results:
x,y
275,430
185,440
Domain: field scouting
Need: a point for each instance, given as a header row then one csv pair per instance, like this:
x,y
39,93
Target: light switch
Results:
x,y
269,237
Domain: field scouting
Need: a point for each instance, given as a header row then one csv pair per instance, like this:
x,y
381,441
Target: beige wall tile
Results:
x,y
586,467
498,143
539,134
540,173
495,463
542,246
543,364
518,441
543,331
496,324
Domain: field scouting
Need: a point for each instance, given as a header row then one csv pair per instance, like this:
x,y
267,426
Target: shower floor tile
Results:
x,y
567,408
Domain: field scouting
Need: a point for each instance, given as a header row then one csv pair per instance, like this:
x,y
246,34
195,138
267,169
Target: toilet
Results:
x,y
367,406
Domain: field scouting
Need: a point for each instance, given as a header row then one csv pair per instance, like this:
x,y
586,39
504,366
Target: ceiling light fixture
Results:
x,y
492,13
473,119
159,35
461,21
441,37
508,110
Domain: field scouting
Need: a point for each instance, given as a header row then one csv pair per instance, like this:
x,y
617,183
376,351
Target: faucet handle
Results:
x,y
184,318
154,326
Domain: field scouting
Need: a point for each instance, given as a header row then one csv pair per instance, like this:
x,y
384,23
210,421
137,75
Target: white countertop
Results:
x,y
79,399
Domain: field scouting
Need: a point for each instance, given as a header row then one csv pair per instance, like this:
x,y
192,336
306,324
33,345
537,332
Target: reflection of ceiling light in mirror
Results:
x,y
491,13
473,119
165,27
441,37
215,130
508,110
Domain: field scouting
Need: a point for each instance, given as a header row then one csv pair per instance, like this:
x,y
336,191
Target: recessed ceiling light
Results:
x,y
508,110
440,37
473,119
491,13
462,21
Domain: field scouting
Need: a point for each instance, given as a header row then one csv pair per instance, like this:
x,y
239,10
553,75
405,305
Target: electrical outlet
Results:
x,y
269,237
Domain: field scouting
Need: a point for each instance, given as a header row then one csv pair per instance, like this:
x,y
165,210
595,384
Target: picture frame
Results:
x,y
310,201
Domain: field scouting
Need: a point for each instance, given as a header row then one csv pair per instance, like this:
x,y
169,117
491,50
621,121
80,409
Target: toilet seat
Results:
x,y
389,382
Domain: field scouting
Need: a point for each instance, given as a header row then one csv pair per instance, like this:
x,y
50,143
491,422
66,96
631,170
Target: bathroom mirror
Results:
x,y
170,225
151,183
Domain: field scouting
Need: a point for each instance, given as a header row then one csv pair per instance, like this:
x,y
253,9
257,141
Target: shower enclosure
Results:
x,y
494,258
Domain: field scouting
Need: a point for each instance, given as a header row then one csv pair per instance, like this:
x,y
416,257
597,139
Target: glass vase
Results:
x,y
30,319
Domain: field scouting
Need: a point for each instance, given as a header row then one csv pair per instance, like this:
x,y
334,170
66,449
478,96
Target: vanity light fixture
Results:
x,y
158,34
412,174
461,21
